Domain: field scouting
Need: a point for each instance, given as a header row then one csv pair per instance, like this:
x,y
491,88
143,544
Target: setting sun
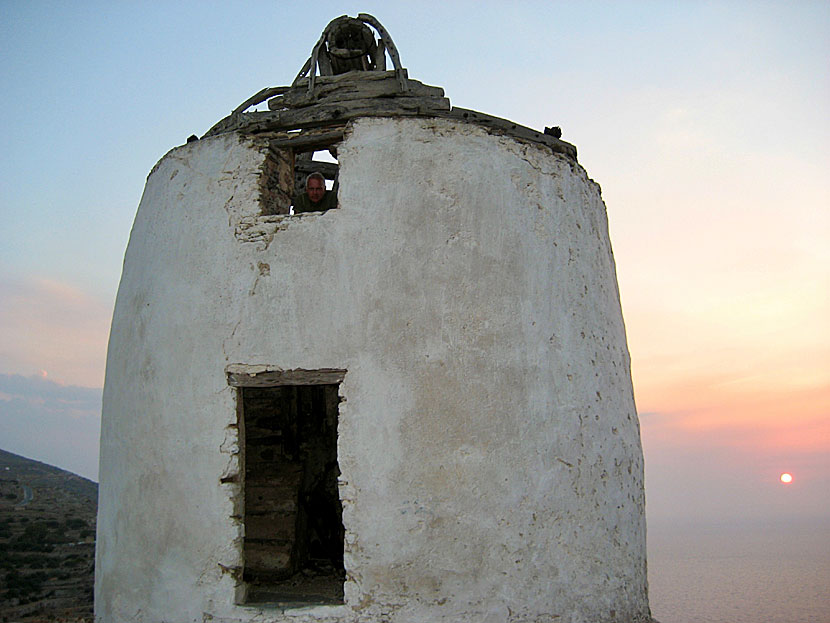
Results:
x,y
786,478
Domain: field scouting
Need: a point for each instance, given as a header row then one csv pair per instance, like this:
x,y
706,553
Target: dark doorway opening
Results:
x,y
293,546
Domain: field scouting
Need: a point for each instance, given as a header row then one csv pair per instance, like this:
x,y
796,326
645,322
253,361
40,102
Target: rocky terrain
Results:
x,y
47,542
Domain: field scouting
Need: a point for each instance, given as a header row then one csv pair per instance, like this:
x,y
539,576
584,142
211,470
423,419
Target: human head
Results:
x,y
315,187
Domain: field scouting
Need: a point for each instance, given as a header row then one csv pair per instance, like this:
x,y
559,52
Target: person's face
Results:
x,y
315,189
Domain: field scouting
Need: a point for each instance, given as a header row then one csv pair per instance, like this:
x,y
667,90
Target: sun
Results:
x,y
786,478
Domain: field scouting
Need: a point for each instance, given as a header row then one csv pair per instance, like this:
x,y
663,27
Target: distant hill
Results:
x,y
47,542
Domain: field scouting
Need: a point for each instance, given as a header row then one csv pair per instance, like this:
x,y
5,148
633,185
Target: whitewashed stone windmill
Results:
x,y
415,406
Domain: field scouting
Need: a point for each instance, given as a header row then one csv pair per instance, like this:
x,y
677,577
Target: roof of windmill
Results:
x,y
345,78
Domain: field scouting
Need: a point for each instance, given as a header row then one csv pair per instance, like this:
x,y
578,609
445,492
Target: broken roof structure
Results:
x,y
346,78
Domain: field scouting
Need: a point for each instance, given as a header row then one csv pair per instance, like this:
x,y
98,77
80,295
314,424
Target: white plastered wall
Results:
x,y
488,440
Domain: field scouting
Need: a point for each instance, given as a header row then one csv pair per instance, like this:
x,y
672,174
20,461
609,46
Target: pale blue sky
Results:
x,y
705,123
95,92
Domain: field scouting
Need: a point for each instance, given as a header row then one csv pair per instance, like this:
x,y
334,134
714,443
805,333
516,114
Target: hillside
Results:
x,y
47,542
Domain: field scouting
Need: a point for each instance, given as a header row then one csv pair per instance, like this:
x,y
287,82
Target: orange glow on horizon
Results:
x,y
53,330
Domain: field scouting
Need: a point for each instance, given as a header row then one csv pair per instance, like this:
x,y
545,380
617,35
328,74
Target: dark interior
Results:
x,y
293,544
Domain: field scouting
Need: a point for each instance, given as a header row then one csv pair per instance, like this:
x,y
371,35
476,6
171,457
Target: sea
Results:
x,y
740,572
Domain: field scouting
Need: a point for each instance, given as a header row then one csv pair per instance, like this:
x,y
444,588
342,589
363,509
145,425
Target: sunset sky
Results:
x,y
706,125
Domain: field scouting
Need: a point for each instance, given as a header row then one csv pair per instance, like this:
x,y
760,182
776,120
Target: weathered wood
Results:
x,y
510,128
324,64
328,113
298,142
325,114
315,53
310,65
347,90
303,71
380,56
306,167
364,107
348,77
390,45
260,97
321,60
274,378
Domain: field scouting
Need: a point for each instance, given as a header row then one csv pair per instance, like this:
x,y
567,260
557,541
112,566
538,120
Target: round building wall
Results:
x,y
487,441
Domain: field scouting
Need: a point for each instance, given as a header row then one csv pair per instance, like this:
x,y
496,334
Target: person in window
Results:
x,y
315,198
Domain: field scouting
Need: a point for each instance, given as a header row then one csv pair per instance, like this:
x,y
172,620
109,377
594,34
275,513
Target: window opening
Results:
x,y
293,546
307,163
290,157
